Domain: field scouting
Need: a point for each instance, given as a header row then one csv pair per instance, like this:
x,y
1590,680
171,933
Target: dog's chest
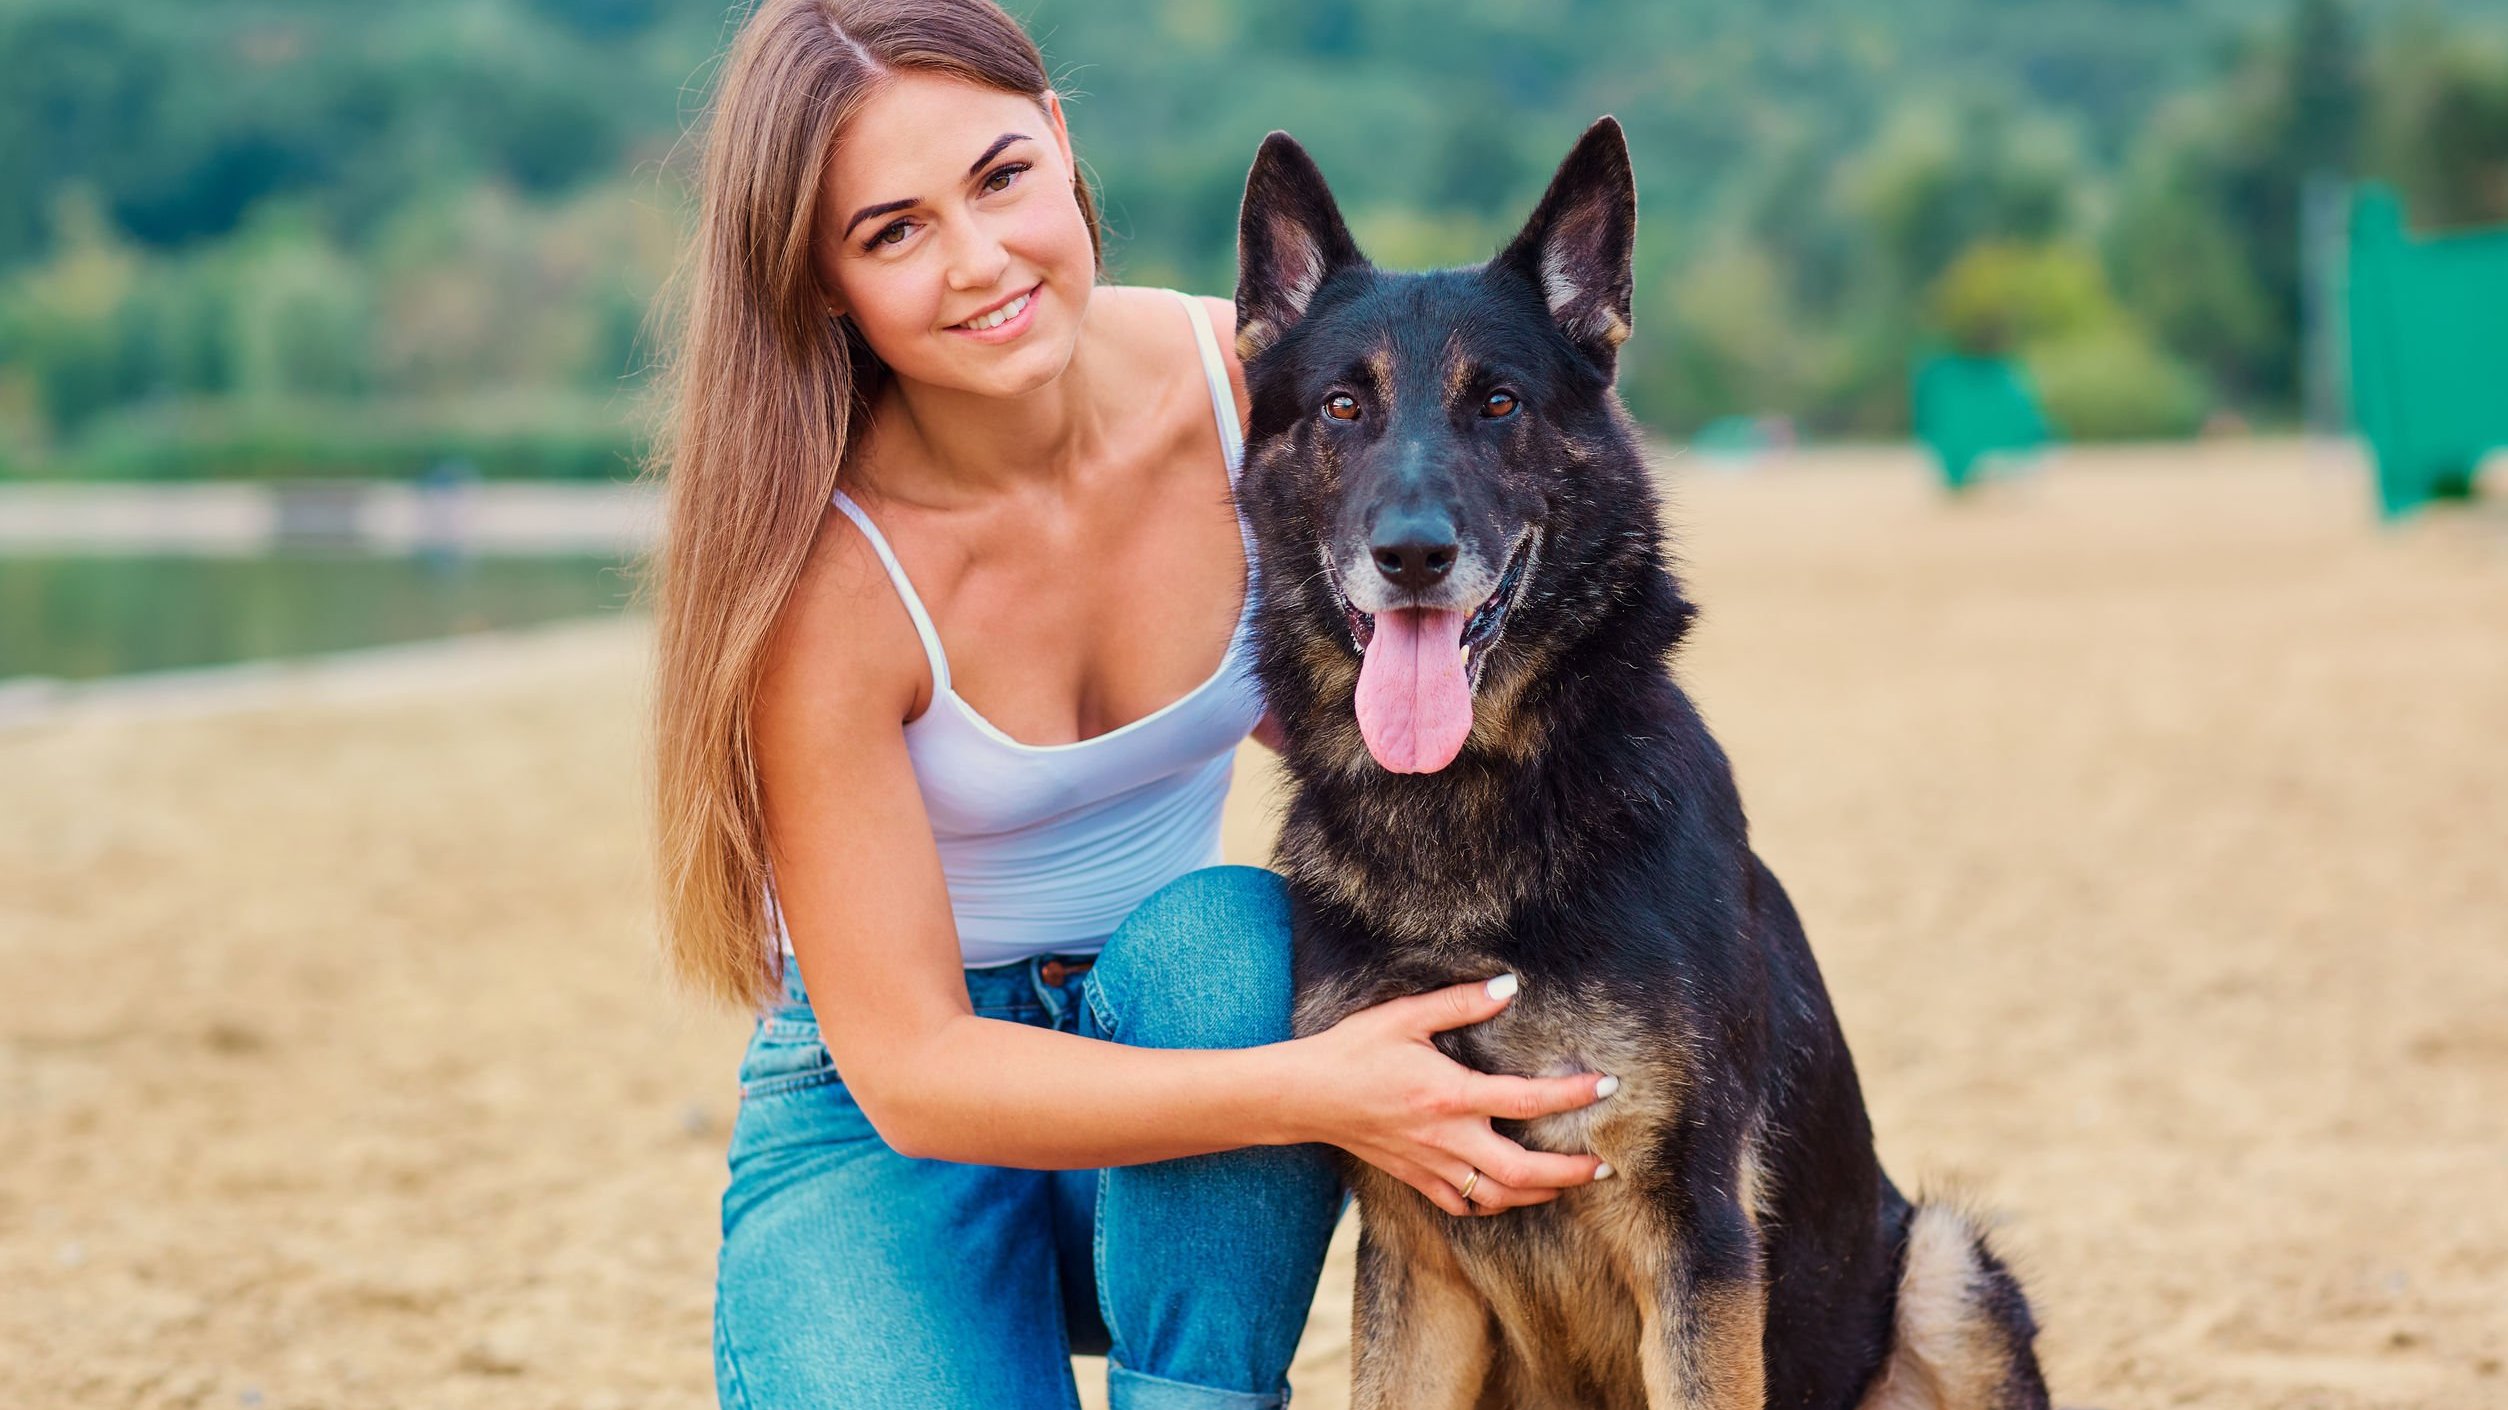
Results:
x,y
1561,1282
1561,1033
1555,1026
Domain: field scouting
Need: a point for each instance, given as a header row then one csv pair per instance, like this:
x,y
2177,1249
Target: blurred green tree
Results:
x,y
2441,131
460,211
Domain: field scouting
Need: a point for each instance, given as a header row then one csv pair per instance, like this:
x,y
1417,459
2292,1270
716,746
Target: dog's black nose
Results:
x,y
1413,548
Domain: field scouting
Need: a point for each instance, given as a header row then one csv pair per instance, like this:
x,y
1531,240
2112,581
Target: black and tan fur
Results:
x,y
1588,838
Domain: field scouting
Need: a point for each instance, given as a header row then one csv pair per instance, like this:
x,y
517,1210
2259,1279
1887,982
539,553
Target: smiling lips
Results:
x,y
997,316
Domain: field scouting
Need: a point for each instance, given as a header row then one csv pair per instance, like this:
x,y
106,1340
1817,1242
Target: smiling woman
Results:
x,y
954,663
1000,217
772,380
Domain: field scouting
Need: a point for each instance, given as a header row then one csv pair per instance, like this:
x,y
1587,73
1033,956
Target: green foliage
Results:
x,y
1720,339
2208,239
2112,383
480,299
184,117
66,340
2442,131
215,214
302,441
2097,372
2005,298
2183,263
1940,182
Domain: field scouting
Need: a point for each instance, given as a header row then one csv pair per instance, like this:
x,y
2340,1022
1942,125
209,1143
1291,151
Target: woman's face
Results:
x,y
949,233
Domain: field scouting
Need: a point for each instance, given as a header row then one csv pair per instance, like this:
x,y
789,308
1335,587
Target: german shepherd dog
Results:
x,y
1463,630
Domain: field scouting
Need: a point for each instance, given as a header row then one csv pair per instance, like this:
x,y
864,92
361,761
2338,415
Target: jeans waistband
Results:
x,y
1039,989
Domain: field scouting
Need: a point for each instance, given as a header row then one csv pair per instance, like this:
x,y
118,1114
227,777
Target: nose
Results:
x,y
977,258
1413,548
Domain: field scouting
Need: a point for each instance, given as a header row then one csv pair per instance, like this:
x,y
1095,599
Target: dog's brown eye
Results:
x,y
1499,404
1341,406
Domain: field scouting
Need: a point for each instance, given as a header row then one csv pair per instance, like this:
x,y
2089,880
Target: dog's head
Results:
x,y
1446,493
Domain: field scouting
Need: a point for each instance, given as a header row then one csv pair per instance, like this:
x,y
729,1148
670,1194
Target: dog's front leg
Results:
x,y
1419,1335
1702,1318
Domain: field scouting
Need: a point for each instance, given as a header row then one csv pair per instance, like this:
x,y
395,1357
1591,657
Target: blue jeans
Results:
x,y
851,1276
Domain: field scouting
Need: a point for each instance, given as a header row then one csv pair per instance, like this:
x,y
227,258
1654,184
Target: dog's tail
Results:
x,y
1964,1338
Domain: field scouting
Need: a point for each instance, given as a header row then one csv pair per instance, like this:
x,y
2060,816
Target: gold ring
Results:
x,y
1470,1182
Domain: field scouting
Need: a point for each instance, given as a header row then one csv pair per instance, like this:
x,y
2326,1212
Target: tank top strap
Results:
x,y
923,627
1223,400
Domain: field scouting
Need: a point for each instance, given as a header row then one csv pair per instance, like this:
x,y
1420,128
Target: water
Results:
x,y
77,617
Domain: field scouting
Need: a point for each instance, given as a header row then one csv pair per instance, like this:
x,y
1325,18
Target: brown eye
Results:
x,y
1341,406
1499,404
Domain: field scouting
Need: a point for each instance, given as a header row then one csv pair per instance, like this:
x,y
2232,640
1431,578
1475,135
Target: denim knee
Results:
x,y
1203,963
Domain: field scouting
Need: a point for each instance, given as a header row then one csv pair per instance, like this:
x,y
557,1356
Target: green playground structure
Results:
x,y
2429,351
1968,408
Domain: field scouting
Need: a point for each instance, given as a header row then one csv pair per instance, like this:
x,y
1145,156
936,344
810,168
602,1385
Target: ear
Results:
x,y
1579,243
1290,239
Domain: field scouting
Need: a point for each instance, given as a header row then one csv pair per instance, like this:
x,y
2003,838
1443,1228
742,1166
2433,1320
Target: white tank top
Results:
x,y
1047,847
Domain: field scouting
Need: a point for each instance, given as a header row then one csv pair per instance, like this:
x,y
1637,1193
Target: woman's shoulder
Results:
x,y
843,640
1159,331
1223,323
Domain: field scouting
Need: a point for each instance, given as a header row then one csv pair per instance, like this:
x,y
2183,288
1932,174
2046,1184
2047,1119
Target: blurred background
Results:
x,y
281,243
2048,394
287,242
276,238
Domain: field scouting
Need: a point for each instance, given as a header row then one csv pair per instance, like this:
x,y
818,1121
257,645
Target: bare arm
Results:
x,y
860,883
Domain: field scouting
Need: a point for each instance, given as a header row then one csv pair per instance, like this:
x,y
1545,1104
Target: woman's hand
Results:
x,y
1384,1093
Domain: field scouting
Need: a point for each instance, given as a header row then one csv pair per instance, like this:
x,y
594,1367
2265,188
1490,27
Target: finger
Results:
x,y
1453,1006
1438,1191
1490,1198
1498,1158
1490,1195
1523,1098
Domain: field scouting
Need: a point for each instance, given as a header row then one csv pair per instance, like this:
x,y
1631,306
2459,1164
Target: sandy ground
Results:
x,y
2150,818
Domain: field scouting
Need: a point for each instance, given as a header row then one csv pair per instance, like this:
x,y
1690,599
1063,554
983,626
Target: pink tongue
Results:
x,y
1414,706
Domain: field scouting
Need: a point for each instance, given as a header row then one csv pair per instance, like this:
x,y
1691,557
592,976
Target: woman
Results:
x,y
953,663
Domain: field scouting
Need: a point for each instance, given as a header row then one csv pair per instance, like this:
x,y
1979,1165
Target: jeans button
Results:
x,y
1051,972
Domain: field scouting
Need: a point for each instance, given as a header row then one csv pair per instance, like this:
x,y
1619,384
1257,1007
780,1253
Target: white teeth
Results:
x,y
998,316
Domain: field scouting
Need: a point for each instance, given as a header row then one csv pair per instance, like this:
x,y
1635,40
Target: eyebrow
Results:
x,y
887,207
884,208
995,150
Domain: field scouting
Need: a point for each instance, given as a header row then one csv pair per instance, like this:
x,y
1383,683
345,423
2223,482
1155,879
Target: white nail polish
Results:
x,y
1606,1086
1503,987
1603,1171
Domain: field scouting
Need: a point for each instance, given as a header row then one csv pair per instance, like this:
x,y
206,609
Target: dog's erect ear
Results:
x,y
1578,245
1290,239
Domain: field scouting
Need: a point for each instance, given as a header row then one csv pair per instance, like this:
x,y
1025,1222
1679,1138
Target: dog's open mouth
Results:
x,y
1418,667
1481,630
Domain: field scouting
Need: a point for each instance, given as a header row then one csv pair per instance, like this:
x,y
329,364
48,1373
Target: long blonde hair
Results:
x,y
762,393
